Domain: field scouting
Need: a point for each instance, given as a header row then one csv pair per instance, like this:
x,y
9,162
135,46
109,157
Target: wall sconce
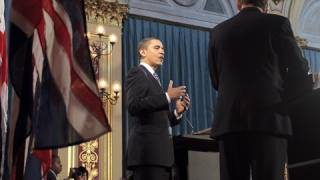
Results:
x,y
101,47
105,95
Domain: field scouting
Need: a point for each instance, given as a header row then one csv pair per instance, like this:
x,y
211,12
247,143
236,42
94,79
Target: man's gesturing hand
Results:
x,y
182,104
177,92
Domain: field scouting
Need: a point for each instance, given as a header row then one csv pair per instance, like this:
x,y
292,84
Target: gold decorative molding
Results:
x,y
104,12
285,172
276,2
276,7
302,42
89,157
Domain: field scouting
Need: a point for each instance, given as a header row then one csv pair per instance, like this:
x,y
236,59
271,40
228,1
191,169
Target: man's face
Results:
x,y
153,54
56,165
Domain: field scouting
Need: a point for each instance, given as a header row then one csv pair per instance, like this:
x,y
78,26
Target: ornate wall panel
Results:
x,y
309,23
280,7
105,12
89,157
203,13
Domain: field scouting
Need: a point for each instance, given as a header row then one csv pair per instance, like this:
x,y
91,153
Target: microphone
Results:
x,y
181,99
189,124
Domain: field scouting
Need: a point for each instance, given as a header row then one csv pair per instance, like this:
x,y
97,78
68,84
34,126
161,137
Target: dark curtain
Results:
x,y
185,63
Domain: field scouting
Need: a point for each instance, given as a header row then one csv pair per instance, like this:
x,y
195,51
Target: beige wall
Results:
x,y
67,161
294,14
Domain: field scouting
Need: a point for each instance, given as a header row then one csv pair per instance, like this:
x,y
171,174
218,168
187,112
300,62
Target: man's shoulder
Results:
x,y
275,18
135,68
222,24
220,28
137,71
276,23
262,17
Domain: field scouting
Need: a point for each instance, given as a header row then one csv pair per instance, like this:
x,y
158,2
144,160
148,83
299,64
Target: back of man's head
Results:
x,y
258,3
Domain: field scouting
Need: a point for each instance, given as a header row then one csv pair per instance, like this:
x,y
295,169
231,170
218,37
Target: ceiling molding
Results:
x,y
309,24
105,12
202,13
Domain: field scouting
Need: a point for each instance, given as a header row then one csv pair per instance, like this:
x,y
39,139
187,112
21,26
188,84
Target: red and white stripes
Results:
x,y
53,38
3,82
80,96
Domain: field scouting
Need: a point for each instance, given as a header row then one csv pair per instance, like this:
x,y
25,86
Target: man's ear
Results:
x,y
239,5
142,52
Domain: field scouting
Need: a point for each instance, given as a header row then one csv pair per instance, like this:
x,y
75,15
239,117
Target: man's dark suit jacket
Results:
x,y
149,142
254,63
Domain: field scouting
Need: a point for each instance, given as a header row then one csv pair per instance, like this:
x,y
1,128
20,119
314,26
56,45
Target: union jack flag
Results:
x,y
55,96
3,84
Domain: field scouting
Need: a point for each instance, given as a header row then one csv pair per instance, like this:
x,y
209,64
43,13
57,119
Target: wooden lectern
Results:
x,y
199,141
304,145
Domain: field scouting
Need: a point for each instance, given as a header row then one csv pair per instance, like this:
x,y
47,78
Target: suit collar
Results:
x,y
149,75
148,67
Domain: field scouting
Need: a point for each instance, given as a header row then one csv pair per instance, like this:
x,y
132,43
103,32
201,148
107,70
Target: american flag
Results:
x,y
3,84
54,87
38,165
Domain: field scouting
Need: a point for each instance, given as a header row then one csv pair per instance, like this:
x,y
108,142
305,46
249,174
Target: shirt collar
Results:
x,y
148,67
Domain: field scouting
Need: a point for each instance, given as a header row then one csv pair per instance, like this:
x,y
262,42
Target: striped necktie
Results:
x,y
155,75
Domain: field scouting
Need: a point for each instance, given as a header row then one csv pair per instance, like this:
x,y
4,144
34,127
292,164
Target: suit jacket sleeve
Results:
x,y
294,66
173,119
212,64
139,97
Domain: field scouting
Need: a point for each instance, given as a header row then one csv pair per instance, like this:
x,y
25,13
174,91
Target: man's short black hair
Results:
x,y
82,170
258,3
78,172
143,44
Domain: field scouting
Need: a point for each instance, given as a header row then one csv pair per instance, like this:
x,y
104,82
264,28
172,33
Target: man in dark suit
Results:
x,y
254,63
150,148
55,168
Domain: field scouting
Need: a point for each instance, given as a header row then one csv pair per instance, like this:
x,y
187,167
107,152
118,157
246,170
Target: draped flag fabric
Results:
x,y
54,96
3,84
38,164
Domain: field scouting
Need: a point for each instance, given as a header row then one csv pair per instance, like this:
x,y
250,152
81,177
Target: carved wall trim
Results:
x,y
104,12
279,7
202,13
309,23
276,1
302,42
186,3
89,157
